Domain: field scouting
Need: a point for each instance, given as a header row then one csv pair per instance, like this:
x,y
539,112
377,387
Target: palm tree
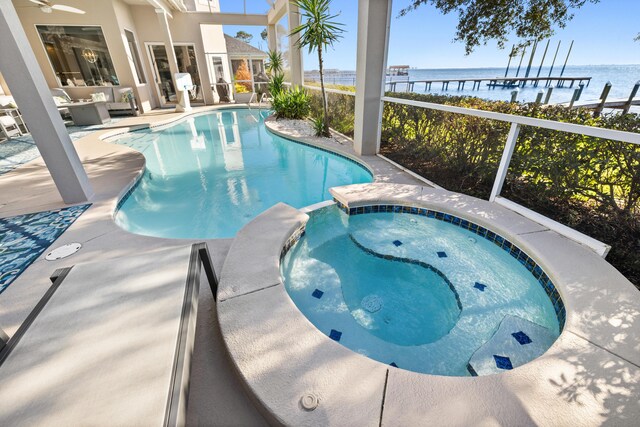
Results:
x,y
274,63
317,32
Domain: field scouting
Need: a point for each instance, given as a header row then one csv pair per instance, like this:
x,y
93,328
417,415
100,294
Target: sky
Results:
x,y
603,34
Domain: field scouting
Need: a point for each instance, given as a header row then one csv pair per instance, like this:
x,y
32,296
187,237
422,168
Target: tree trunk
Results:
x,y
325,130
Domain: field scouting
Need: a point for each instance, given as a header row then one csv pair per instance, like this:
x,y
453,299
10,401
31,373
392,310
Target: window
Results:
x,y
241,75
258,70
79,55
133,47
218,68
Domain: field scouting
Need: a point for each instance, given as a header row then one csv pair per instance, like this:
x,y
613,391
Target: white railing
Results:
x,y
516,122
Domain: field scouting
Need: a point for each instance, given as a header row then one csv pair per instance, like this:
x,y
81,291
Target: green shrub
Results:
x,y
276,84
318,124
291,103
341,110
590,184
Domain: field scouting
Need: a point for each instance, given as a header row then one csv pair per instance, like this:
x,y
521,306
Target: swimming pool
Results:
x,y
209,175
422,290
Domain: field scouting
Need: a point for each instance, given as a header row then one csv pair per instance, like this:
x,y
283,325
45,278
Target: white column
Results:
x,y
295,57
22,74
171,53
272,37
371,62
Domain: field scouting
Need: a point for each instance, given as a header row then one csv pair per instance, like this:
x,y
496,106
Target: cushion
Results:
x,y
126,96
7,121
59,100
107,92
98,97
60,93
7,101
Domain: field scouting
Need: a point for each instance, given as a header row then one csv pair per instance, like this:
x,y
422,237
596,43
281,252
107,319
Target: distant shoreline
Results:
x,y
337,71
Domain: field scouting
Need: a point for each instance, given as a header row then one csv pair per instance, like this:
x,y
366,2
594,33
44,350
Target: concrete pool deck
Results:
x,y
216,392
590,376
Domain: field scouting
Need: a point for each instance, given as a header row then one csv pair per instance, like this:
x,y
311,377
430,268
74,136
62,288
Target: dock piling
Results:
x,y
514,95
544,55
524,49
539,97
511,55
603,99
533,52
554,61
566,59
580,89
548,97
634,92
574,97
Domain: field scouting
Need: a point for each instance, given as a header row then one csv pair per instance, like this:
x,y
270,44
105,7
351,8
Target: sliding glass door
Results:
x,y
186,58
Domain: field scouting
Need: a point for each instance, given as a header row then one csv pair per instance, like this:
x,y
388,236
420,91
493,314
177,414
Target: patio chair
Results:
x,y
8,126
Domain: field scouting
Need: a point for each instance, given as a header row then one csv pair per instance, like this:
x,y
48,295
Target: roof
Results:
x,y
238,47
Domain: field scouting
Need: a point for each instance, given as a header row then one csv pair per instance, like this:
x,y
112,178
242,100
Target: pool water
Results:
x,y
414,292
209,175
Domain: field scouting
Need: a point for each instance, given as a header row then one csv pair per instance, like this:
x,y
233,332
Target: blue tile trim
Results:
x,y
292,240
500,241
126,196
472,371
411,261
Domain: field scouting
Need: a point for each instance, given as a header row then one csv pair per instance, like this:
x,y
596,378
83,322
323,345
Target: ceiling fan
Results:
x,y
47,7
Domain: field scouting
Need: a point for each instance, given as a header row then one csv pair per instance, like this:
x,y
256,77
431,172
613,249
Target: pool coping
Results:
x,y
281,356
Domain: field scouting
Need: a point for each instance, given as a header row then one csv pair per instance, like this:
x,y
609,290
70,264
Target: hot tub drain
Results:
x,y
371,303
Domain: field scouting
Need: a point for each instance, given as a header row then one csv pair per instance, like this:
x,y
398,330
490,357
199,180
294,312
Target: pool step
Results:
x,y
516,342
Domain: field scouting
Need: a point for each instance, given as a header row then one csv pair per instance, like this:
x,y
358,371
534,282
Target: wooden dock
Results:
x,y
504,82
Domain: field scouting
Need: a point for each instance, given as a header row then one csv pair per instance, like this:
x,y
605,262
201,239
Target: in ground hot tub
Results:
x,y
422,290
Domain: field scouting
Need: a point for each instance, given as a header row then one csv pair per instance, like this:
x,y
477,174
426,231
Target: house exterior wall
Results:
x,y
126,22
184,29
116,16
105,14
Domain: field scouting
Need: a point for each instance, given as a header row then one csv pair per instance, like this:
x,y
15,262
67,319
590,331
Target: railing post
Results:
x,y
505,161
